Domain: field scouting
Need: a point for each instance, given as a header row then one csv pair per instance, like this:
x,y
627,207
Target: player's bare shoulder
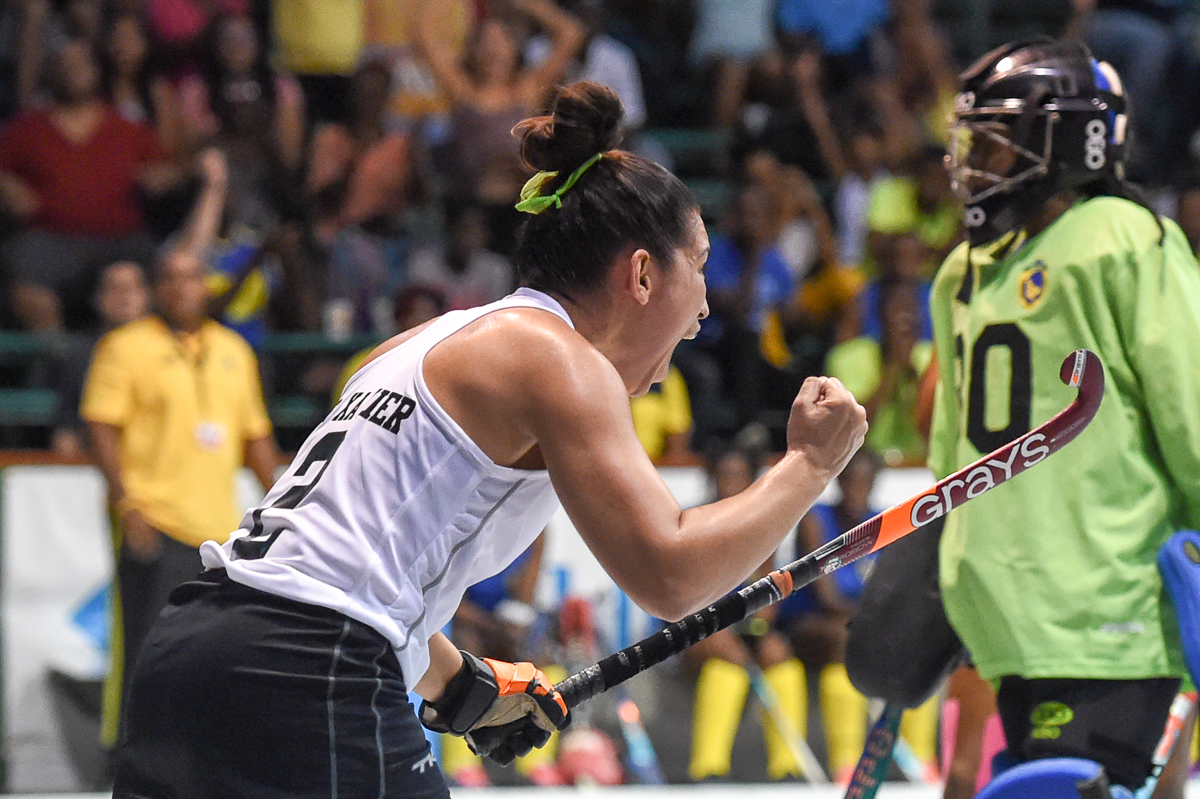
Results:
x,y
535,353
503,373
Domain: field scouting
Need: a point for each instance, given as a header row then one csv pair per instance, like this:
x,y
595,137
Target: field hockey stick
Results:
x,y
1181,711
797,746
643,761
877,754
913,767
1082,370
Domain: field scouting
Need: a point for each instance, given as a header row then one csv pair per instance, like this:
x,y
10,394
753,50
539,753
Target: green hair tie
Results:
x,y
533,202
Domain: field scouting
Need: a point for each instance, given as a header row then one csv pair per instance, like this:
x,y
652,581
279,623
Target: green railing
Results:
x,y
35,407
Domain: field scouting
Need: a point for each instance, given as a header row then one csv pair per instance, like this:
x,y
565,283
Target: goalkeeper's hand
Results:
x,y
503,709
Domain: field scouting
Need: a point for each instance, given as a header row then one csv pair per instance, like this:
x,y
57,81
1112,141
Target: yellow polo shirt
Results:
x,y
186,406
664,410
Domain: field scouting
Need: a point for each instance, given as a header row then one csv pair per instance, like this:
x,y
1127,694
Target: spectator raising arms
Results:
x,y
257,117
730,36
359,172
602,59
491,92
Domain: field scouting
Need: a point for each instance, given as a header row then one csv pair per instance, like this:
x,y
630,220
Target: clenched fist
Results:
x,y
827,425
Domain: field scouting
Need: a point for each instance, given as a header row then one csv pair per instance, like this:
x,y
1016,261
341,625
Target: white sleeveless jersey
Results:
x,y
390,512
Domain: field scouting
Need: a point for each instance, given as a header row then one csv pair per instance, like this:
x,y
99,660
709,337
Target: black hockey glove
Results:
x,y
504,709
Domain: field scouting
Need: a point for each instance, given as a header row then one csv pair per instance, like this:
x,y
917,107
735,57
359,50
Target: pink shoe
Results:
x,y
472,776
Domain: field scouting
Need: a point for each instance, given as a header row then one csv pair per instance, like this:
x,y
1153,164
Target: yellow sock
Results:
x,y
457,755
1195,748
110,708
790,684
548,753
844,717
720,698
918,727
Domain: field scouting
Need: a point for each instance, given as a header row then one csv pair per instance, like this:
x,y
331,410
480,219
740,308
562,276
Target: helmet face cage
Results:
x,y
973,182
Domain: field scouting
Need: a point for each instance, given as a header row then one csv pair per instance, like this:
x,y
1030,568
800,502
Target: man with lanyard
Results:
x,y
174,405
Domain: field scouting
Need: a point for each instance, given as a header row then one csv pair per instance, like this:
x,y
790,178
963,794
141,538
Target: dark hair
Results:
x,y
747,451
402,304
56,80
108,65
893,289
867,457
621,200
217,77
930,154
1114,186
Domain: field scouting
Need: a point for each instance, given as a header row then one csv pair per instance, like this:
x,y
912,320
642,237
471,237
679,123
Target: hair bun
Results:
x,y
585,119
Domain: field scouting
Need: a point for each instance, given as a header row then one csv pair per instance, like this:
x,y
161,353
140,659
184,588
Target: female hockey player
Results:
x,y
283,671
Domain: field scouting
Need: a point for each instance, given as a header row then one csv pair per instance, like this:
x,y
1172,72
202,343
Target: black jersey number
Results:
x,y
1020,389
304,480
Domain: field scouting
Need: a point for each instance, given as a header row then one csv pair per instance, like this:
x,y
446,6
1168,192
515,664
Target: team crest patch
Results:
x,y
1033,284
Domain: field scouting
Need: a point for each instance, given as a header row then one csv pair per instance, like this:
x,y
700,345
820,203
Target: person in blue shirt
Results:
x,y
747,278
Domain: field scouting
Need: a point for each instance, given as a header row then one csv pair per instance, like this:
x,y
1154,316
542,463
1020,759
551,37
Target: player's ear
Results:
x,y
638,275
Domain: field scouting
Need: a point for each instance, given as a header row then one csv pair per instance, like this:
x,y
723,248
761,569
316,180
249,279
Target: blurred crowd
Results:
x,y
345,168
360,155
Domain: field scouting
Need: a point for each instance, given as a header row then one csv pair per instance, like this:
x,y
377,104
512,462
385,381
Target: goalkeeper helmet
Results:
x,y
1030,120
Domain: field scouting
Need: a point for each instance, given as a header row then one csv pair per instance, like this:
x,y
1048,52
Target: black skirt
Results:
x,y
241,693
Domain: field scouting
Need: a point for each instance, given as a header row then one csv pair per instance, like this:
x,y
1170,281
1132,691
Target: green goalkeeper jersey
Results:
x,y
1053,574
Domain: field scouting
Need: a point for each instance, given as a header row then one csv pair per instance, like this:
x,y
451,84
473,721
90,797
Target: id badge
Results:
x,y
210,436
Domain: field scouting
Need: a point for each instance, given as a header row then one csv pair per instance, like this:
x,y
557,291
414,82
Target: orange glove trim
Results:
x,y
523,678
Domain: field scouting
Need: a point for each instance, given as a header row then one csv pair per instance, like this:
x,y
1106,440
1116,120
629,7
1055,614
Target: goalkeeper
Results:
x,y
1051,583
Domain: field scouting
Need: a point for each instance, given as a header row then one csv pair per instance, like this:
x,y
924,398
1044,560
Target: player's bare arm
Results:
x,y
444,662
569,408
571,402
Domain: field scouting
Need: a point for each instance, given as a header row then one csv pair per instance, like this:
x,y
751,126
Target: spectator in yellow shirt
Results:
x,y
174,405
663,420
921,204
885,374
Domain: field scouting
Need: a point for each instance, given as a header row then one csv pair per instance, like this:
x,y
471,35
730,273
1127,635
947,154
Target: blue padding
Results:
x,y
1002,761
1052,778
1179,564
